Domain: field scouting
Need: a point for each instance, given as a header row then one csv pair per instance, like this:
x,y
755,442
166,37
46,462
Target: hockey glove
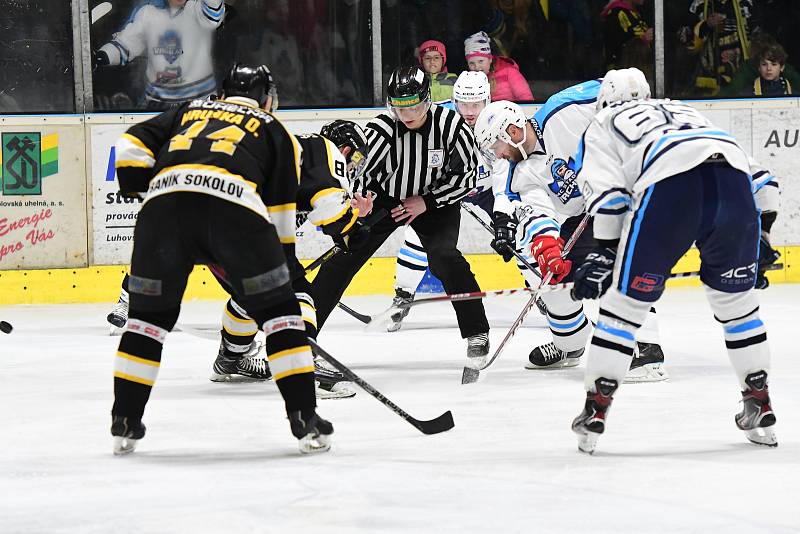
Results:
x,y
505,235
548,250
593,278
766,256
356,238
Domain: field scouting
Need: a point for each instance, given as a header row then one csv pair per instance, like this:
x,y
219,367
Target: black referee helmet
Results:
x,y
251,82
408,86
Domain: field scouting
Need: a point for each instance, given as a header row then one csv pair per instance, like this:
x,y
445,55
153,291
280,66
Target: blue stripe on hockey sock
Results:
x,y
744,327
614,331
411,254
559,326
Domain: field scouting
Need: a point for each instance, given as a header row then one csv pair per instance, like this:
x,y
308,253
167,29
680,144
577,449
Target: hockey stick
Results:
x,y
433,426
100,10
471,375
511,249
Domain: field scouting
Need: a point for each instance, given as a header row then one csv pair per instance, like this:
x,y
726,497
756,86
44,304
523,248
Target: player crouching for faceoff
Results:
x,y
326,177
220,180
658,177
547,206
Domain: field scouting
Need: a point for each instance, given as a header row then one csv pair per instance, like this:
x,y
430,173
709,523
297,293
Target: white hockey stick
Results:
x,y
100,10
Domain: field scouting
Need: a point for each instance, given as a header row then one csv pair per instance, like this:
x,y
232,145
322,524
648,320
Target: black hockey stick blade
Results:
x,y
442,423
366,319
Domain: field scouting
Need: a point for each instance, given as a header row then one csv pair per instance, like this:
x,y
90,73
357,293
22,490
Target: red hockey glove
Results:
x,y
547,251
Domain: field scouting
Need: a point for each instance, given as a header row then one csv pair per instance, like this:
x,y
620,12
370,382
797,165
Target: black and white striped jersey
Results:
x,y
437,161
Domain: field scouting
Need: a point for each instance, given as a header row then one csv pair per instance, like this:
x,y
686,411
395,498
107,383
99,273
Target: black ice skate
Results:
x,y
647,364
240,367
119,313
313,432
401,297
591,422
548,356
756,417
331,384
127,431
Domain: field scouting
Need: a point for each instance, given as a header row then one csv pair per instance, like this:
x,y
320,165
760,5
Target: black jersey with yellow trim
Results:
x,y
226,148
323,194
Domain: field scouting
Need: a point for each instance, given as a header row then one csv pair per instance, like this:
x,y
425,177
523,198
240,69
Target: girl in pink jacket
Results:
x,y
507,82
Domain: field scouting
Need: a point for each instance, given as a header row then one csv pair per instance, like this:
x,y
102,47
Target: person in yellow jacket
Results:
x,y
433,59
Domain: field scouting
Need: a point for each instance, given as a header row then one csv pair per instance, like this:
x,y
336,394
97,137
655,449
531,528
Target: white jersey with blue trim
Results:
x,y
629,147
559,125
178,45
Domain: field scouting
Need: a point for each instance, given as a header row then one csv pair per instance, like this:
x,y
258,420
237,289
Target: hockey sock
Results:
x,y
614,337
290,358
238,329
309,313
745,333
138,359
412,262
648,333
568,323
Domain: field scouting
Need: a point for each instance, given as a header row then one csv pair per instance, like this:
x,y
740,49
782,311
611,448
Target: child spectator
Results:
x,y
770,81
743,82
505,79
433,59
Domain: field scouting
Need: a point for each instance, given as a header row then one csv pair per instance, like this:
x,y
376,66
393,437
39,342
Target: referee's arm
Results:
x,y
460,176
379,141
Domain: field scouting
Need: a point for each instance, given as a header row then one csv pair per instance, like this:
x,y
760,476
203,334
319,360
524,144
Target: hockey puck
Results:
x,y
5,327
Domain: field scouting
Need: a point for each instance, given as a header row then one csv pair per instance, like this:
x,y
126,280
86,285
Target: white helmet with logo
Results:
x,y
622,85
472,86
493,123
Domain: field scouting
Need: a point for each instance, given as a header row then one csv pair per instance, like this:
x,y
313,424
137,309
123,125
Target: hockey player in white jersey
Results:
x,y
659,177
177,37
550,209
471,93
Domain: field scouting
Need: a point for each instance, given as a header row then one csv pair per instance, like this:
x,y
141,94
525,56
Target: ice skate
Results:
x,y
647,364
331,384
477,357
119,314
756,417
240,367
401,297
312,431
127,432
548,356
591,422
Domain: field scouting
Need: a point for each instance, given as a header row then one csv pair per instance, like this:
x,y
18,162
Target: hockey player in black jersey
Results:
x,y
330,162
220,183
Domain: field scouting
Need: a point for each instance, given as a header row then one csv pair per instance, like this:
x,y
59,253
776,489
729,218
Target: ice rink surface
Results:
x,y
220,457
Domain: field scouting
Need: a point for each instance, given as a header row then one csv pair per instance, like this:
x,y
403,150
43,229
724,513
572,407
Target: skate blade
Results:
x,y
563,364
762,436
394,327
310,444
123,446
651,372
470,375
115,331
587,441
234,378
340,390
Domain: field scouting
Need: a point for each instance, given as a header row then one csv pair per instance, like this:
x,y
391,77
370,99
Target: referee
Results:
x,y
421,164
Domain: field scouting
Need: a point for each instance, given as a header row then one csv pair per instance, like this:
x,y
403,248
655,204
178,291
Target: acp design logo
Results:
x,y
26,159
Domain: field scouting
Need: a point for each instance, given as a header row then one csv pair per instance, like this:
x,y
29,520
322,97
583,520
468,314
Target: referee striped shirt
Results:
x,y
437,161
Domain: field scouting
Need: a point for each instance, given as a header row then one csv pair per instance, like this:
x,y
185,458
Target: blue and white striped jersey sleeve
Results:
x,y
766,189
210,13
505,199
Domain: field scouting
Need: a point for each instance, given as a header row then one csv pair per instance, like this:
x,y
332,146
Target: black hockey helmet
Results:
x,y
251,82
344,133
408,86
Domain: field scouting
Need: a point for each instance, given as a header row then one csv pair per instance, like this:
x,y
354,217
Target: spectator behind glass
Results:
x,y
433,59
505,79
628,38
721,39
771,81
748,73
177,37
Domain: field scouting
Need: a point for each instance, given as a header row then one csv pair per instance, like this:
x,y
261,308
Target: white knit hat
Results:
x,y
477,45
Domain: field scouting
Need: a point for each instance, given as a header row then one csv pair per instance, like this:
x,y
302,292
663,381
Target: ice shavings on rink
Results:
x,y
220,457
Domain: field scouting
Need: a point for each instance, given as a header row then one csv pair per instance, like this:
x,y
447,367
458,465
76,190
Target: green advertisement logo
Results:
x,y
26,159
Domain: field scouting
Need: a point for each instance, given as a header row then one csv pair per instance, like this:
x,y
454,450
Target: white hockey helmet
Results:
x,y
622,85
472,86
493,123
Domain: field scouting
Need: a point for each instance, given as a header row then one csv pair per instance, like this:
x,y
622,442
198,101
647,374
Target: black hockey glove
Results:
x,y
766,256
593,277
356,238
505,235
99,59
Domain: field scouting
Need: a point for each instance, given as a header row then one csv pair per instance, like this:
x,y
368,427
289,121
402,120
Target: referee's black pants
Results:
x,y
438,231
